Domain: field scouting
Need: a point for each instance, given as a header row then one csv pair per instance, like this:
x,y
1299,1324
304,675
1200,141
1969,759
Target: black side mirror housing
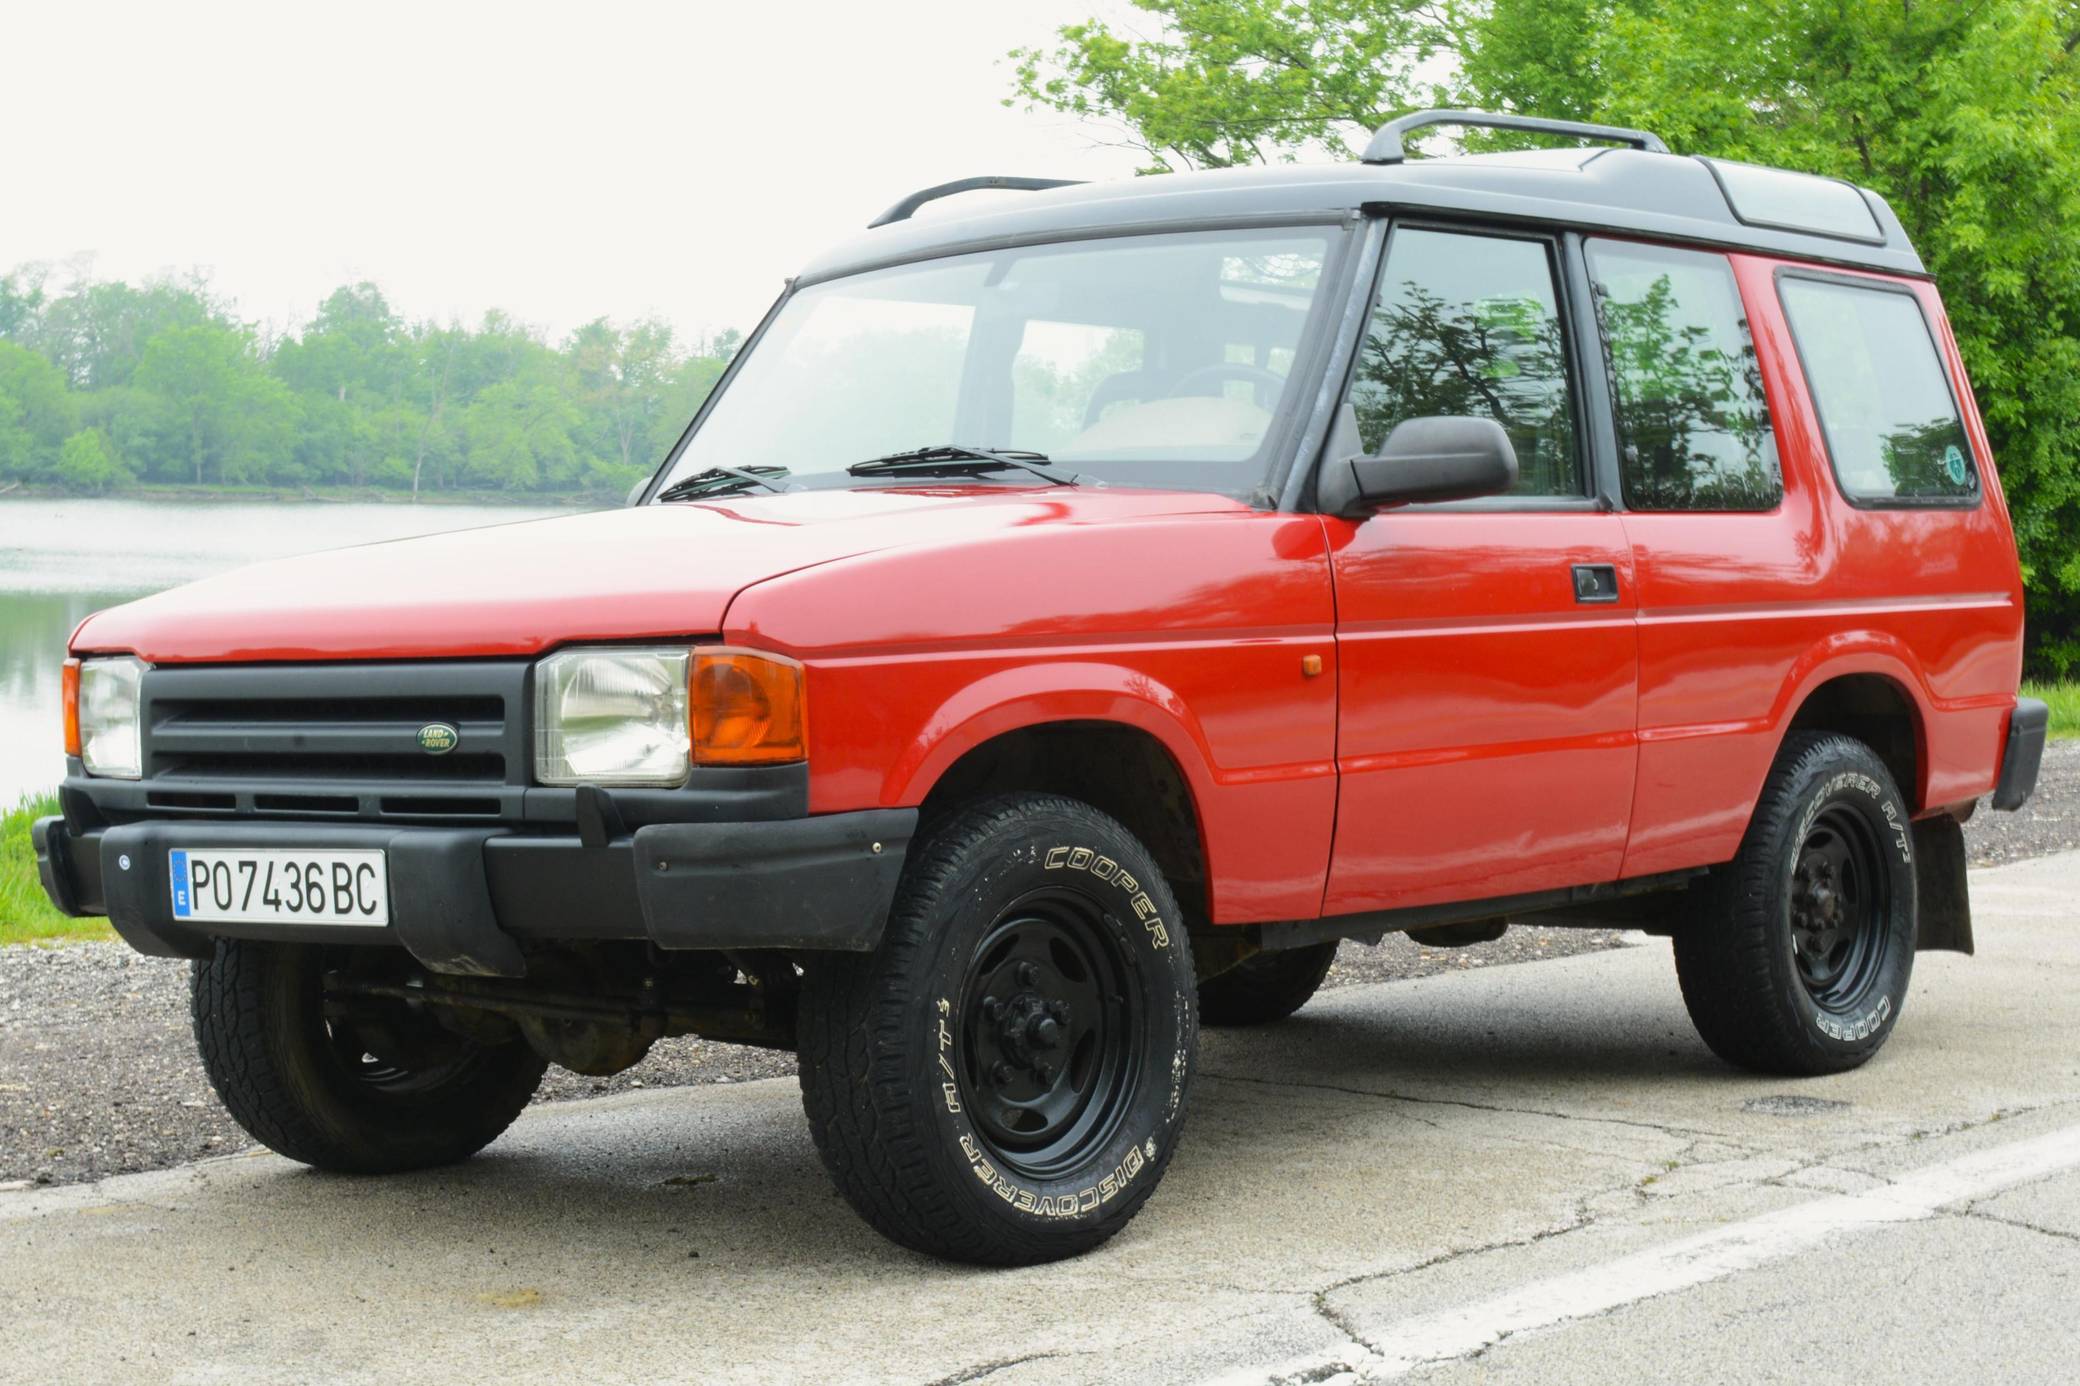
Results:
x,y
1442,458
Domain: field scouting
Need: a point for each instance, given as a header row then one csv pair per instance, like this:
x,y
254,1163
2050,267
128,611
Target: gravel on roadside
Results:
x,y
98,1073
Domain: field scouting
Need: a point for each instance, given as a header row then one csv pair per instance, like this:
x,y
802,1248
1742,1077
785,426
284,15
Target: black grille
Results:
x,y
337,739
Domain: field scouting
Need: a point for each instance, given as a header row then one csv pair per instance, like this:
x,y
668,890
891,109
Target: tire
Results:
x,y
382,1092
1801,961
1265,986
949,1113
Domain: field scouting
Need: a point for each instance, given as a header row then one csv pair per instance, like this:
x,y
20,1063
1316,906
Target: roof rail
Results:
x,y
902,210
1386,147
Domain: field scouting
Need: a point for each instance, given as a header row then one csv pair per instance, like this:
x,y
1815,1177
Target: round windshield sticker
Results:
x,y
1953,463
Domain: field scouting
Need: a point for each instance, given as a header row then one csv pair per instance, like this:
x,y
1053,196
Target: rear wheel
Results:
x,y
367,1088
1003,1080
1265,986
1800,965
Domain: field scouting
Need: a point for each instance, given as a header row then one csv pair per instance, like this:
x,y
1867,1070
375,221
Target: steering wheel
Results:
x,y
1227,370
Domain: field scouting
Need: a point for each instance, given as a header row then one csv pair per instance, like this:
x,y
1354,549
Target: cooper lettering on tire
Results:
x,y
1004,1079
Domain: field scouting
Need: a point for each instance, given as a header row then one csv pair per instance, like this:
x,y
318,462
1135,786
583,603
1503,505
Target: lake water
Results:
x,y
61,560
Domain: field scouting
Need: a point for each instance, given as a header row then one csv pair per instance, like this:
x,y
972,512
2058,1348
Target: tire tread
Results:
x,y
851,1036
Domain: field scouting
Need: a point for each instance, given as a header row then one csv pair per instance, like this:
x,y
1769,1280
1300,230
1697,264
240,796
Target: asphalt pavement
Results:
x,y
1527,1173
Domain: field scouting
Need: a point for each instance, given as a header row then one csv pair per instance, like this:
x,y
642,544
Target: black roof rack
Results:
x,y
902,210
1386,145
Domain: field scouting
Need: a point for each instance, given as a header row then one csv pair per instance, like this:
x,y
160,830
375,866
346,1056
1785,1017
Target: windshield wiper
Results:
x,y
723,481
958,459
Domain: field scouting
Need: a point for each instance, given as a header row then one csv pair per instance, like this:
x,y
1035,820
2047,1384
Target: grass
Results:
x,y
25,915
2065,706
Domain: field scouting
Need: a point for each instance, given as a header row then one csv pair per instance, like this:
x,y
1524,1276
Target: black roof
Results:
x,y
1636,191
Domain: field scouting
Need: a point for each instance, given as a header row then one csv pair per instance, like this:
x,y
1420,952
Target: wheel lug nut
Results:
x,y
1027,974
1045,1073
1003,1073
992,1007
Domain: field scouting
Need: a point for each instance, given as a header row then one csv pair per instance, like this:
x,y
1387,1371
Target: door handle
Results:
x,y
1595,582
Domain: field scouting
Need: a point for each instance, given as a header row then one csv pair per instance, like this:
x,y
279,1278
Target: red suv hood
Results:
x,y
656,571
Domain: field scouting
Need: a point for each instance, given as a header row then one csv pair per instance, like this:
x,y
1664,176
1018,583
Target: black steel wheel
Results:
x,y
1047,1040
1800,961
1003,1080
1840,904
359,1087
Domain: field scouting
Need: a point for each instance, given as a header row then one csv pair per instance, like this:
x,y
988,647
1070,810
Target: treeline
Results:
x,y
106,386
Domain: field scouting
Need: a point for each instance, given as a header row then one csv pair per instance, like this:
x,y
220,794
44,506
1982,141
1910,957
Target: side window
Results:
x,y
1892,426
1693,427
1471,325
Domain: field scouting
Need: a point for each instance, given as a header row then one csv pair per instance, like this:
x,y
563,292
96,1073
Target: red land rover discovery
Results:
x,y
1061,626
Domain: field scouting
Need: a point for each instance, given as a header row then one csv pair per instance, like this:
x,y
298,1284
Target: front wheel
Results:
x,y
369,1088
1800,963
1003,1080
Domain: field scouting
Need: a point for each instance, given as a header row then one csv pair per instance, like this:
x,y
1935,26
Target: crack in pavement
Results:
x,y
1585,1217
984,1370
1659,1128
1974,1212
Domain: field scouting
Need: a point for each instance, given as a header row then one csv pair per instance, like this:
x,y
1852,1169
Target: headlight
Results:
x,y
612,716
622,715
104,710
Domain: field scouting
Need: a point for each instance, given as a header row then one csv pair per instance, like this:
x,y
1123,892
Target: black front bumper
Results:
x,y
462,899
2022,753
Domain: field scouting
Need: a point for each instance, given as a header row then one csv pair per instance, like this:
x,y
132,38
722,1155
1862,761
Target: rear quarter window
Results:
x,y
1894,433
1693,424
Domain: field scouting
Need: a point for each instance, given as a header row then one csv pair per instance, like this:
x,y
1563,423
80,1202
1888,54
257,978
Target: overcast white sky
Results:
x,y
559,161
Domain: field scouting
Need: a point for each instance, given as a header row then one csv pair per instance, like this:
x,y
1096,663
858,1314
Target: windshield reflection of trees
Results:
x,y
1691,417
1498,358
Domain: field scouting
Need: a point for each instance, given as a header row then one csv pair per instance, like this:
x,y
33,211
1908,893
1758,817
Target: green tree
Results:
x,y
1966,117
88,463
217,414
520,436
624,374
97,333
35,413
21,303
174,390
1238,81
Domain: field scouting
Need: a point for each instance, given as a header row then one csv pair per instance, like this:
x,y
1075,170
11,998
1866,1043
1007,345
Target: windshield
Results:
x,y
1138,360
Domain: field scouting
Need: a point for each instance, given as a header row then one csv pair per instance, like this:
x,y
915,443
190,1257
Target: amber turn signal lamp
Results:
x,y
69,681
747,708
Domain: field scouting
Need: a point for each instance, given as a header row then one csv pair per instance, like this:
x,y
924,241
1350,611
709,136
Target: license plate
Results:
x,y
264,886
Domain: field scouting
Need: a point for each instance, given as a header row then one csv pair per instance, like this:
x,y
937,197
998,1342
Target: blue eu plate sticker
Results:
x,y
182,900
1953,463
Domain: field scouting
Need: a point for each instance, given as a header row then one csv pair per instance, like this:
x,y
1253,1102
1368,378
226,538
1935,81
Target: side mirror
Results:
x,y
1434,459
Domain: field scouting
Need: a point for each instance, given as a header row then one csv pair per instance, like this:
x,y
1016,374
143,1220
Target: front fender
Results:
x,y
1012,699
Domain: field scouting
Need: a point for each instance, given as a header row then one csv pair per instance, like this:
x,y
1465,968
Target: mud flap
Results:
x,y
1945,902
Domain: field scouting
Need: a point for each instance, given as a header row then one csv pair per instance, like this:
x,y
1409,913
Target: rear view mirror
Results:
x,y
1433,459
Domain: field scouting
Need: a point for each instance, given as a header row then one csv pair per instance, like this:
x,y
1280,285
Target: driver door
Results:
x,y
1487,652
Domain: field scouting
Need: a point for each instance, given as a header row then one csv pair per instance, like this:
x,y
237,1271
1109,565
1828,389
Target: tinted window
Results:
x,y
1693,429
1891,422
1471,325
